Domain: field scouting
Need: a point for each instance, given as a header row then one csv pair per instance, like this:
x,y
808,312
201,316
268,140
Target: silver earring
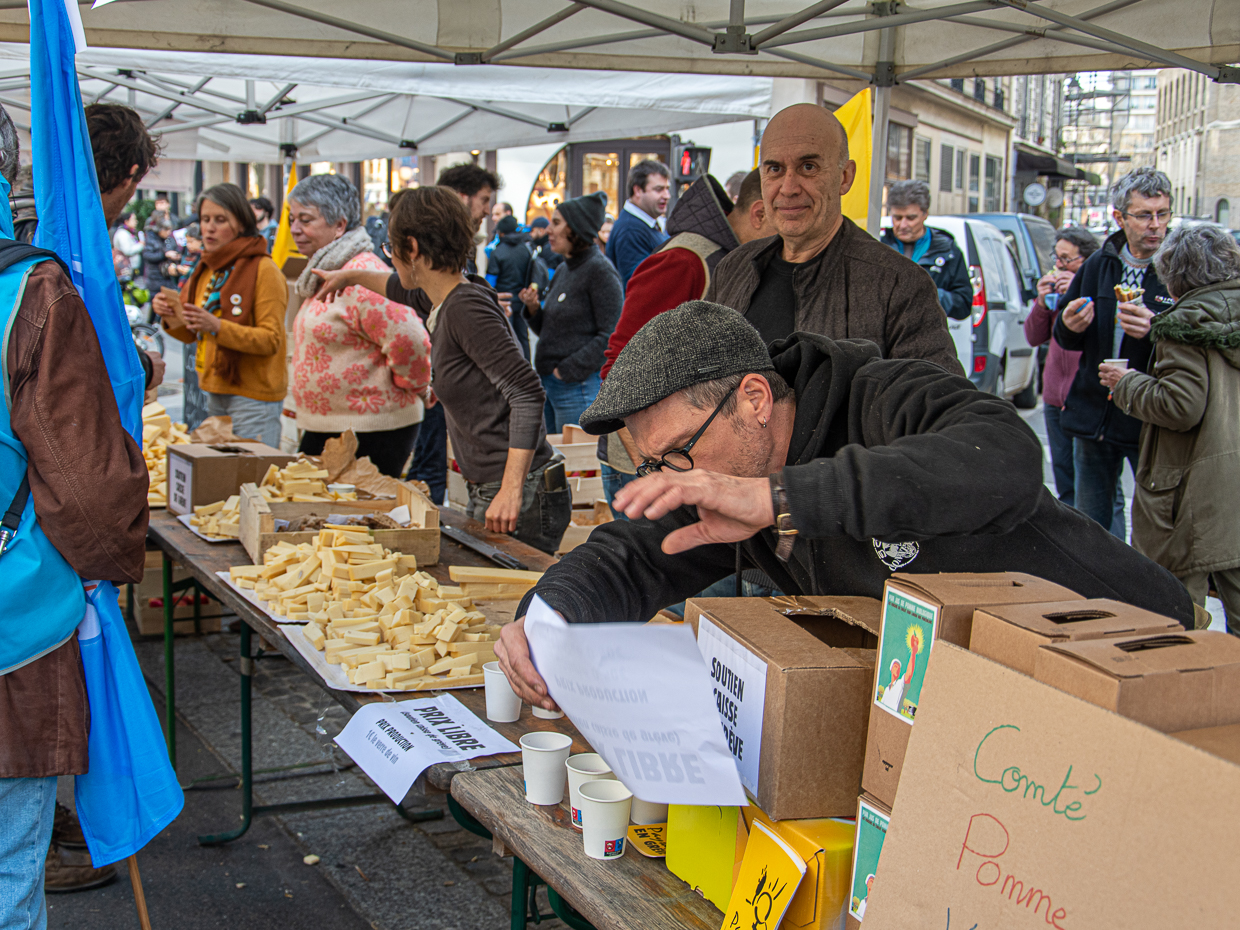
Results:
x,y
764,424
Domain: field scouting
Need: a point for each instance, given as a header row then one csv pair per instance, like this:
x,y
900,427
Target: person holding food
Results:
x,y
1190,444
1106,314
233,307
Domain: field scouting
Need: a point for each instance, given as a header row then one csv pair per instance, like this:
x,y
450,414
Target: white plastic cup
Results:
x,y
542,757
1117,362
544,714
644,812
583,767
503,705
605,818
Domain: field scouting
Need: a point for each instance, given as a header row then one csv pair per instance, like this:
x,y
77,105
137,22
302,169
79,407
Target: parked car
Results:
x,y
1032,239
992,344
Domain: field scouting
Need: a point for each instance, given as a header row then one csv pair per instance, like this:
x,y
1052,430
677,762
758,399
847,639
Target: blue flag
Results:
x,y
130,792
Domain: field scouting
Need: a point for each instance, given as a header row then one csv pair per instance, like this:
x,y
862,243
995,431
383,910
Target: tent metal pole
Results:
x,y
276,98
582,115
347,26
447,124
1027,36
664,24
171,108
500,111
884,22
156,91
250,100
817,63
796,19
878,154
532,31
1135,45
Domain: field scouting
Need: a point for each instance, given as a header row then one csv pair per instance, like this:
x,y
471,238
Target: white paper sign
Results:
x,y
395,742
738,683
180,479
641,695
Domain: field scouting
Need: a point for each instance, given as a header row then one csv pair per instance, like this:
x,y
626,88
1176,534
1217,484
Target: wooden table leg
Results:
x,y
139,896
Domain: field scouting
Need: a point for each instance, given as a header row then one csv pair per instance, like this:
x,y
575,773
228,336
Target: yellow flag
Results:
x,y
284,246
858,120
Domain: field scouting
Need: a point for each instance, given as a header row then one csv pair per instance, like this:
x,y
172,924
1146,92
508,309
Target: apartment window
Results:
x,y
975,171
959,169
947,161
958,84
998,99
994,184
921,159
899,153
979,89
1222,212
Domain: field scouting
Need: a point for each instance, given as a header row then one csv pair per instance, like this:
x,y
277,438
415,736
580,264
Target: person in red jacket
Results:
x,y
705,226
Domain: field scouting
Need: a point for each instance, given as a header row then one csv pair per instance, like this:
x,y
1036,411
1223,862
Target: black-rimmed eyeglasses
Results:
x,y
680,459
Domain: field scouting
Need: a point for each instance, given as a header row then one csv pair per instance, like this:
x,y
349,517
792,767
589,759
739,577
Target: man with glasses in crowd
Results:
x,y
1096,322
829,466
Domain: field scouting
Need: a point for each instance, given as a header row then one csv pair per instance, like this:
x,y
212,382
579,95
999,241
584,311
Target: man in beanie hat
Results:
x,y
574,317
539,230
830,467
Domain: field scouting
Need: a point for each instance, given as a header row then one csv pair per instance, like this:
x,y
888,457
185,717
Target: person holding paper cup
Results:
x,y
1189,461
829,466
232,308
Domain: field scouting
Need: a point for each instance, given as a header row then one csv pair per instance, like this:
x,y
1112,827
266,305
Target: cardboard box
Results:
x,y
583,523
203,474
1174,681
792,693
826,845
1012,633
1025,807
705,846
420,540
1223,742
148,598
873,820
934,607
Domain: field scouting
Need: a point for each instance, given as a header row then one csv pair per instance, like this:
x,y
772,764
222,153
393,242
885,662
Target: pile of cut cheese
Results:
x,y
369,610
159,432
299,482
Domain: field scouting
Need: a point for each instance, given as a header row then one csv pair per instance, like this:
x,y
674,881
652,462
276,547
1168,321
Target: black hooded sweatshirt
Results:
x,y
894,465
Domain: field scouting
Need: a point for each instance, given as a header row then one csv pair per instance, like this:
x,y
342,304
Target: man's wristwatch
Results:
x,y
783,520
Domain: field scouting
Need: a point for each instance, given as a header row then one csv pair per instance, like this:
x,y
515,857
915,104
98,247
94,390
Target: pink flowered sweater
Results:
x,y
361,361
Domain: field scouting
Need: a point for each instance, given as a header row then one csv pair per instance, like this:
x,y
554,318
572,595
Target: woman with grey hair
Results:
x,y
1190,443
360,361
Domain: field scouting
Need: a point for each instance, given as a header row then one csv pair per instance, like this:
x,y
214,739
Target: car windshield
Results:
x,y
1043,235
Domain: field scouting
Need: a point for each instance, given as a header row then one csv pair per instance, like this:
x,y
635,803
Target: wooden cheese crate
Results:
x,y
584,522
420,540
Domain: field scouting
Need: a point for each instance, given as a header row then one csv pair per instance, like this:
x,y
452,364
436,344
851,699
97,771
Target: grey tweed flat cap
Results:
x,y
695,342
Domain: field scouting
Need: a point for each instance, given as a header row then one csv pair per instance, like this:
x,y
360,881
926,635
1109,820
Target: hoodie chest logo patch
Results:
x,y
895,555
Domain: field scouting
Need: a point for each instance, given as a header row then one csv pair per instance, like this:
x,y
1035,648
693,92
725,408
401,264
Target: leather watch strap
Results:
x,y
784,527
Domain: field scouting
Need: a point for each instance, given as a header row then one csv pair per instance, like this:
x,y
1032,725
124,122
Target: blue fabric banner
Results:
x,y
130,792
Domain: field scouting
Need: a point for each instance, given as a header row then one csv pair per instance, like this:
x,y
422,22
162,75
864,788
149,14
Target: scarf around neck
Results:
x,y
234,274
332,257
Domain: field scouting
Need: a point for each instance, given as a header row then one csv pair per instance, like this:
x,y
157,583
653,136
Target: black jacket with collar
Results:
x,y
946,265
892,465
1087,413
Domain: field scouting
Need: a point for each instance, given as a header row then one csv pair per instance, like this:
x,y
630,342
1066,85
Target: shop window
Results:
x,y
404,173
994,184
549,189
921,159
1222,212
975,171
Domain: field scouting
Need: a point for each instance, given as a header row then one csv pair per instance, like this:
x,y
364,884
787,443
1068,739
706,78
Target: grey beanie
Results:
x,y
695,342
585,215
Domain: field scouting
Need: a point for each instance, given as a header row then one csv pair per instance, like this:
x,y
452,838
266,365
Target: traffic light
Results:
x,y
691,162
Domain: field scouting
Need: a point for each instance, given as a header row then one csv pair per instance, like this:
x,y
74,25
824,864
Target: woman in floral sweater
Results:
x,y
360,361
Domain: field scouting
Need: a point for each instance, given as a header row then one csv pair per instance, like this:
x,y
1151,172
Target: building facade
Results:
x,y
1198,144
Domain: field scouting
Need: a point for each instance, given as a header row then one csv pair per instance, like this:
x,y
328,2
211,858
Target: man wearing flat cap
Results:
x,y
829,467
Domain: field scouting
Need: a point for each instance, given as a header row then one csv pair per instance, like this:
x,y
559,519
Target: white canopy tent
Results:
x,y
882,42
228,107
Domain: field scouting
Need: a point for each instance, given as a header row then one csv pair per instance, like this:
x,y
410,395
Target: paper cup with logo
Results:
x,y
1117,362
644,812
503,705
542,757
605,818
583,767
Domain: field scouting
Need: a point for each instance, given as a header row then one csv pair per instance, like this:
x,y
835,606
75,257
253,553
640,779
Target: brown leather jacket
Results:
x,y
89,481
857,288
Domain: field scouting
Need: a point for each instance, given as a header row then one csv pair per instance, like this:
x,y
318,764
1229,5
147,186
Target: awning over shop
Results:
x,y
1046,163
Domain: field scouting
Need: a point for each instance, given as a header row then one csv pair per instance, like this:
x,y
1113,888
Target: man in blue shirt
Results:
x,y
636,233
